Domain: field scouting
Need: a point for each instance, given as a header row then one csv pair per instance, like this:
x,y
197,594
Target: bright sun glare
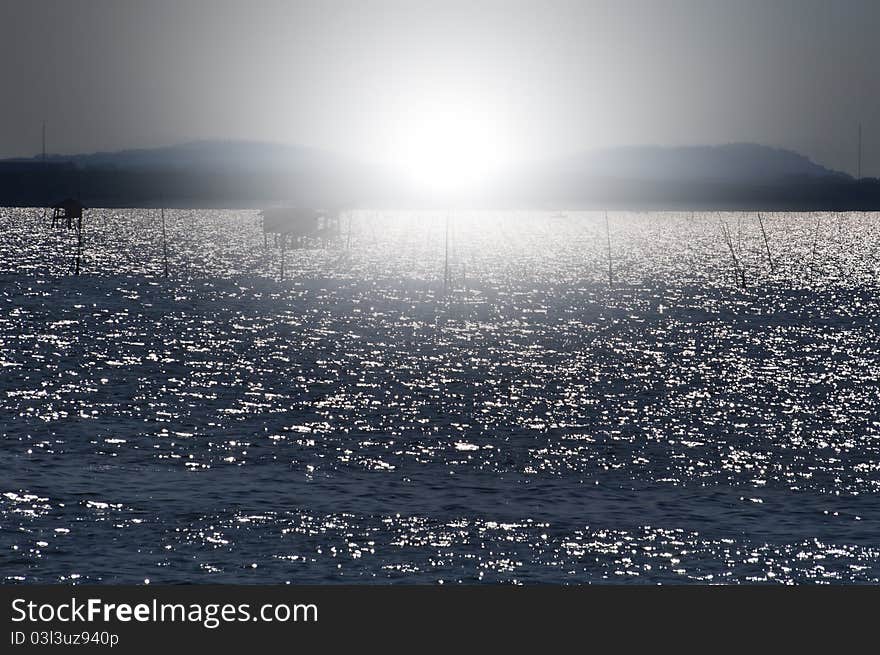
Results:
x,y
447,149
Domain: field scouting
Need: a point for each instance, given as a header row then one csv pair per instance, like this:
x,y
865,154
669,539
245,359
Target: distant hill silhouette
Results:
x,y
741,176
734,163
255,174
197,174
239,156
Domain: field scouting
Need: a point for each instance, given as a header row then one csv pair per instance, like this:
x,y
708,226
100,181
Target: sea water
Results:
x,y
456,397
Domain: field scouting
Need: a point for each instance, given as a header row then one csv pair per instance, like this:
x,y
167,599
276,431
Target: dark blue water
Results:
x,y
354,424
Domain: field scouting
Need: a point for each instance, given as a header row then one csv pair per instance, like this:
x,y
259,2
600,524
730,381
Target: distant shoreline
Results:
x,y
770,205
221,175
185,190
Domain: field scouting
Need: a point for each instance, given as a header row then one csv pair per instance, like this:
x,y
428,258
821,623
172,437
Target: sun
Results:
x,y
447,148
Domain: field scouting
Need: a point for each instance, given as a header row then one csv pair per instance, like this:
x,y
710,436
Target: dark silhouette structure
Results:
x,y
68,211
300,225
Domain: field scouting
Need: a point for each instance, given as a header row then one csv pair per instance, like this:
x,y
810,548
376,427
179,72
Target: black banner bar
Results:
x,y
145,618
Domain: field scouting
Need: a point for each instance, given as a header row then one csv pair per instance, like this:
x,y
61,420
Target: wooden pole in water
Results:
x,y
446,258
608,234
813,252
766,244
45,175
164,243
283,244
739,232
738,273
79,227
732,255
348,242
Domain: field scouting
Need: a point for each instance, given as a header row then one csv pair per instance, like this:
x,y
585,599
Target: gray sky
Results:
x,y
360,77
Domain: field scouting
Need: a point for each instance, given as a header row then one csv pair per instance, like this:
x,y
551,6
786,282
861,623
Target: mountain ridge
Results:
x,y
740,161
238,173
732,161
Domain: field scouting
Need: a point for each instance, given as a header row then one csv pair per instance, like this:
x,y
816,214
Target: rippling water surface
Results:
x,y
353,423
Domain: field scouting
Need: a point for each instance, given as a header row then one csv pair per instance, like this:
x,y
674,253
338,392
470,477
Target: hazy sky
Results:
x,y
363,77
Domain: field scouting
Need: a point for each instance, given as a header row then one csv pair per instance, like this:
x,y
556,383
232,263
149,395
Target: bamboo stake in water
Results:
x,y
164,243
738,272
608,234
79,241
739,233
813,252
446,258
283,244
766,244
45,176
730,248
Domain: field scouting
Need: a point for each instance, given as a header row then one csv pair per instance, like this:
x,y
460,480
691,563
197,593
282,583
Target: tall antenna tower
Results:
x,y
859,177
45,173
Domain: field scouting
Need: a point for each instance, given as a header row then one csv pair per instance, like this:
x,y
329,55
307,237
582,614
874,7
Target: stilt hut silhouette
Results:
x,y
300,225
67,211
